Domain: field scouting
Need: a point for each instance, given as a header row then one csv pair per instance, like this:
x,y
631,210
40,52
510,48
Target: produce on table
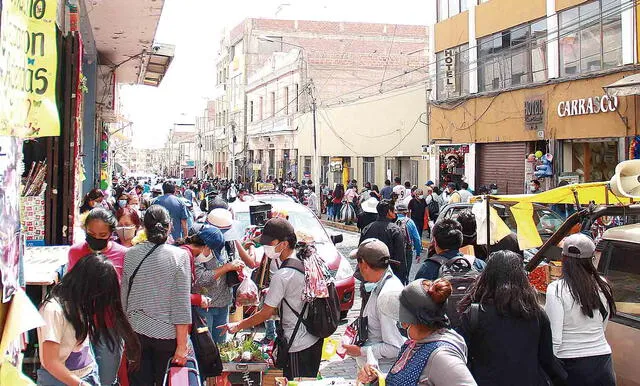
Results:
x,y
539,278
235,351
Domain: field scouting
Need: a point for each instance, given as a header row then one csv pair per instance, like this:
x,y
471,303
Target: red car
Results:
x,y
307,224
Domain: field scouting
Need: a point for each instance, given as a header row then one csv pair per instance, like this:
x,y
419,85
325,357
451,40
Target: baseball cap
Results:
x,y
429,183
578,246
401,207
451,185
275,229
374,252
220,218
413,305
213,238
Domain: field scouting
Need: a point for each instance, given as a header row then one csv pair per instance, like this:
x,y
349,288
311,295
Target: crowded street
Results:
x,y
326,193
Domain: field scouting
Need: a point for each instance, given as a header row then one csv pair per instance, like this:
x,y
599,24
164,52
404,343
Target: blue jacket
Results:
x,y
413,234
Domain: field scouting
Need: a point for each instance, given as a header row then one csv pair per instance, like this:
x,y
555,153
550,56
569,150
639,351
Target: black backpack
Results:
x,y
461,273
322,314
434,209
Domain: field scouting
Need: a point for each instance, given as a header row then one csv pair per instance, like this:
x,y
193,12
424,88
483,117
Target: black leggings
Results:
x,y
305,363
153,361
590,371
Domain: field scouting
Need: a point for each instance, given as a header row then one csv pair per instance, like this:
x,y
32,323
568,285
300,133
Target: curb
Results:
x,y
353,228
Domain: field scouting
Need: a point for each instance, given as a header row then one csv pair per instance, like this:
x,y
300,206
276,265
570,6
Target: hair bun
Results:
x,y
159,227
440,290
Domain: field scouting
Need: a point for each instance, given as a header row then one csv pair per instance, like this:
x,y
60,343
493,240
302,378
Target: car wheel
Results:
x,y
343,315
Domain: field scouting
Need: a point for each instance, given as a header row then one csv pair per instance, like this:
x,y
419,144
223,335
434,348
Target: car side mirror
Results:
x,y
337,239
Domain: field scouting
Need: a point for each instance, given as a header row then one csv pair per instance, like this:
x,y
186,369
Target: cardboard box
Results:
x,y
270,376
555,270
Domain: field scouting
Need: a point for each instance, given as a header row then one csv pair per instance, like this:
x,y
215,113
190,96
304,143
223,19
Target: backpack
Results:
x,y
402,223
434,209
322,314
461,273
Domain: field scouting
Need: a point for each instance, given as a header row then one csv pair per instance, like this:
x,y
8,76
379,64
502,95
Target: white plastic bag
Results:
x,y
247,293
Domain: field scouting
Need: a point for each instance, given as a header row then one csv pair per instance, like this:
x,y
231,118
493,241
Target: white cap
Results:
x,y
220,218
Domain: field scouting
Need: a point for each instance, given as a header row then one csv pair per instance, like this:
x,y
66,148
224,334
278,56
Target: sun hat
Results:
x,y
220,218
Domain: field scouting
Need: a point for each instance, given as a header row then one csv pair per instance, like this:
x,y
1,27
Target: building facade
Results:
x,y
287,65
519,78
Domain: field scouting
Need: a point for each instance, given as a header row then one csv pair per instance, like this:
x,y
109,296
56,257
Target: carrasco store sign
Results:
x,y
592,105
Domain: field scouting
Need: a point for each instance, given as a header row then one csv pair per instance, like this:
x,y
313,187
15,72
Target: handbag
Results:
x,y
205,348
232,278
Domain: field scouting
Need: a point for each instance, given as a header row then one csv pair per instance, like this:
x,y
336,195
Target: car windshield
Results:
x,y
304,222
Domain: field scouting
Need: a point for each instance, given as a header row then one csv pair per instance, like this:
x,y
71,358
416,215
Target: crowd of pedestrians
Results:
x,y
147,268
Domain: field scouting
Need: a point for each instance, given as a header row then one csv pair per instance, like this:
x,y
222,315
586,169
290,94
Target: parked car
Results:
x,y
618,260
307,224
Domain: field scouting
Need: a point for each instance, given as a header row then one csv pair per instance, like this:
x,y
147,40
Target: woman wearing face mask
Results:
x,y
128,225
92,200
99,225
122,202
210,271
434,355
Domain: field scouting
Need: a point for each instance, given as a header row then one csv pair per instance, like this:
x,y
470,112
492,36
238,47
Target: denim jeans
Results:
x,y
108,361
46,379
216,316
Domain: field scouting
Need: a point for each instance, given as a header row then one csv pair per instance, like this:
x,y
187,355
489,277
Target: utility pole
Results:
x,y
233,151
316,161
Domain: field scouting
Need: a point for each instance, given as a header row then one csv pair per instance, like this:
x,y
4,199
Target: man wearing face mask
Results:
x,y
385,230
383,338
285,289
534,187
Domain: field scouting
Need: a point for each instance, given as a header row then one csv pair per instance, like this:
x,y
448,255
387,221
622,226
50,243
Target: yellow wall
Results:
x,y
501,118
452,32
497,15
564,4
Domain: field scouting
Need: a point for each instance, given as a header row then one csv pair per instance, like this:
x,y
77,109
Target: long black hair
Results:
x,y
585,285
89,295
93,195
156,223
504,284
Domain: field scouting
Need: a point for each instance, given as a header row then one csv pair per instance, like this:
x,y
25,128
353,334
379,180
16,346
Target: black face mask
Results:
x,y
96,244
403,331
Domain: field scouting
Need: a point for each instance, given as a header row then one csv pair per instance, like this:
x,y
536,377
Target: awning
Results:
x,y
598,192
629,85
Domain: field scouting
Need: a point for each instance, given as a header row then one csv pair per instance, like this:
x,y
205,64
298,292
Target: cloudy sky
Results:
x,y
195,27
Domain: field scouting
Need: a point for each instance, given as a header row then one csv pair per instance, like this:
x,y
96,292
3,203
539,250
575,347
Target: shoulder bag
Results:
x,y
205,348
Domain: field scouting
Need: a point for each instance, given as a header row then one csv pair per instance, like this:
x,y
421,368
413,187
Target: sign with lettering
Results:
x,y
450,70
585,106
534,114
28,68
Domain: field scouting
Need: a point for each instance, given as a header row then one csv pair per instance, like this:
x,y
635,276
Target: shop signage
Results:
x,y
533,114
450,70
28,69
591,105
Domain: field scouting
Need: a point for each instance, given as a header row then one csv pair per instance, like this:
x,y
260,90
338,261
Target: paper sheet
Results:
x,y
22,317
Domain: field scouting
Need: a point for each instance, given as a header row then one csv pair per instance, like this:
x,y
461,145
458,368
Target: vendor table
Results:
x,y
239,373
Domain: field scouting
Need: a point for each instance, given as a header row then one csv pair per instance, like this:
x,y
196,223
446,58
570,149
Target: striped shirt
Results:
x,y
160,294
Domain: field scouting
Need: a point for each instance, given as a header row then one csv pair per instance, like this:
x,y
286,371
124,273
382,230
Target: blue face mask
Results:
x,y
368,287
122,203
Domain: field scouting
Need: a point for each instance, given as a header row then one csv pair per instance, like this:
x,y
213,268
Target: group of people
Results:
x,y
125,306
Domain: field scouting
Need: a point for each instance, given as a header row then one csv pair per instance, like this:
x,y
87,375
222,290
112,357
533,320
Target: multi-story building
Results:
x,y
273,70
518,77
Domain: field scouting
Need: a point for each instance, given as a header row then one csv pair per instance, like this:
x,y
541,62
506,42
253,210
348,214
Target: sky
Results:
x,y
195,28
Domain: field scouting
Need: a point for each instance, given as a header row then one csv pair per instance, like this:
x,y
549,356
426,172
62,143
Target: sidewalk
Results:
x,y
354,229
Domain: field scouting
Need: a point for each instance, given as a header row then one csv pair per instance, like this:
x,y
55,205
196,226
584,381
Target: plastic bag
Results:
x,y
247,293
347,214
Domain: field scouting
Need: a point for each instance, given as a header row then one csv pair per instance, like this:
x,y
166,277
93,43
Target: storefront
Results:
x,y
578,132
452,163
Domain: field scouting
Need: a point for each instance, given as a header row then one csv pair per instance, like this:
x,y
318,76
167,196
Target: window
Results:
x,y
623,273
369,170
286,101
449,8
273,104
260,112
251,111
513,57
452,72
297,98
590,37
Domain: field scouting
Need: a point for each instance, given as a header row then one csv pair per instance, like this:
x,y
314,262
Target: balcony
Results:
x,y
270,126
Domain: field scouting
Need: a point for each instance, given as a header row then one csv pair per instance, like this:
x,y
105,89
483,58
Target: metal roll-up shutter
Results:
x,y
501,163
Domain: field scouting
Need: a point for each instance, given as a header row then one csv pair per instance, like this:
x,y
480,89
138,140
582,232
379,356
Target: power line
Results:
x,y
596,17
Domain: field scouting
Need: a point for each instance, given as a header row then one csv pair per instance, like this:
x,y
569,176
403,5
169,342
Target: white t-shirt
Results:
x,y
288,283
77,356
574,334
465,195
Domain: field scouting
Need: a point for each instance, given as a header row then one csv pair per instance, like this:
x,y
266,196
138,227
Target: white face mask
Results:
x,y
421,197
135,207
126,233
532,188
270,251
